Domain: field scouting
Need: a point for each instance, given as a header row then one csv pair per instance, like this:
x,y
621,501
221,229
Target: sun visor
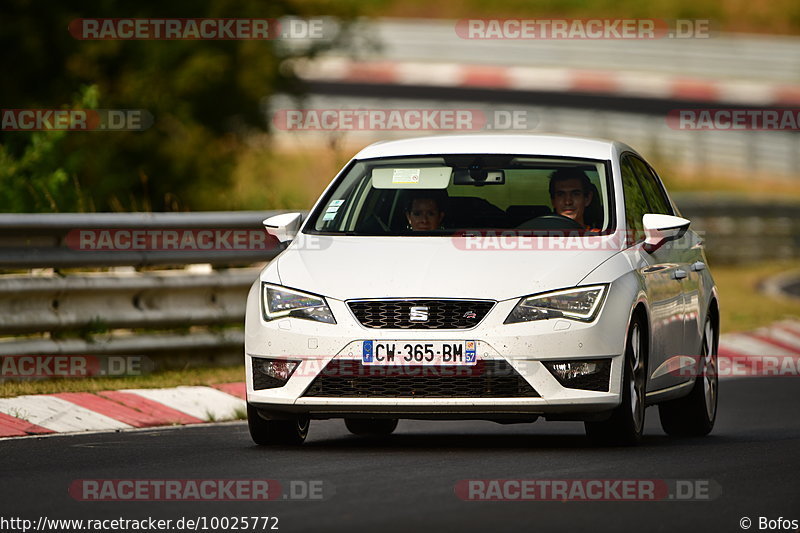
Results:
x,y
411,177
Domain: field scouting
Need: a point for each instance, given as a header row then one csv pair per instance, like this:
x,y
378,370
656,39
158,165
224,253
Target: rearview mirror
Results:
x,y
284,227
659,229
479,176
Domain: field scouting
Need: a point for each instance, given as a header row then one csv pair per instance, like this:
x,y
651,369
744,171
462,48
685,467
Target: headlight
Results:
x,y
278,302
581,303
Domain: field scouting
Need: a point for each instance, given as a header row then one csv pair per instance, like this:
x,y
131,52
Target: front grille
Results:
x,y
441,314
348,378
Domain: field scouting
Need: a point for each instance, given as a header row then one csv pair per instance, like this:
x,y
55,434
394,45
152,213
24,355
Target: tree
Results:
x,y
204,95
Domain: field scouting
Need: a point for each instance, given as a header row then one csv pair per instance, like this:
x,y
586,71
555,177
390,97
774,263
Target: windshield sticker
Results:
x,y
328,216
332,209
405,175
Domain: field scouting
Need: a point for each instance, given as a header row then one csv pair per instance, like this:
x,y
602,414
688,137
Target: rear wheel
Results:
x,y
292,431
374,427
694,415
624,427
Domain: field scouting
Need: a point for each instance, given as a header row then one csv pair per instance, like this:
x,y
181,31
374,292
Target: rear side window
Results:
x,y
653,192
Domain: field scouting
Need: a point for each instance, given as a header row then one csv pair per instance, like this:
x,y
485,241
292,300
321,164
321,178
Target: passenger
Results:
x,y
425,209
571,193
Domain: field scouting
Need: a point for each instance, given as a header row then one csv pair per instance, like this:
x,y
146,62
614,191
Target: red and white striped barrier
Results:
x,y
525,78
124,409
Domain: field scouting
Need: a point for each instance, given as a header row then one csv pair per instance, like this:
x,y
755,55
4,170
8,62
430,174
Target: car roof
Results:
x,y
542,145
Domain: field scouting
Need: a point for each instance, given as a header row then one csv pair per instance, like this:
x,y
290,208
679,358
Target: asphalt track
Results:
x,y
405,482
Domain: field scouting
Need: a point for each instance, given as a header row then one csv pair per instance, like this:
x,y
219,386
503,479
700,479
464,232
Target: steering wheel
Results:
x,y
551,222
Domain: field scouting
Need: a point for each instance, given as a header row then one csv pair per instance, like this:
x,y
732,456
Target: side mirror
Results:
x,y
659,229
284,227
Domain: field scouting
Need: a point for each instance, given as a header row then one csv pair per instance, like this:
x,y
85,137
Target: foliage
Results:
x,y
205,96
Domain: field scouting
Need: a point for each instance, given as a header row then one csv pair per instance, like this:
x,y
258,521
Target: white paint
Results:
x,y
437,74
541,79
747,345
57,414
205,403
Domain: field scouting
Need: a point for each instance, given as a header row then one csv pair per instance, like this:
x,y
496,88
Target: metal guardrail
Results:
x,y
739,231
99,313
165,299
53,240
199,316
175,318
736,229
172,350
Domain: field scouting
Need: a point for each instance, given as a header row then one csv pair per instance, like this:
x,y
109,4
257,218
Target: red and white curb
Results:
x,y
779,339
68,412
525,78
777,344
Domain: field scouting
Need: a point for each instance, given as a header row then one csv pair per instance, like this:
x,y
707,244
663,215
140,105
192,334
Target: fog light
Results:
x,y
272,373
586,374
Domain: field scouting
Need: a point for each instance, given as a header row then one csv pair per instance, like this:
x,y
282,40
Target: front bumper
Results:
x,y
524,347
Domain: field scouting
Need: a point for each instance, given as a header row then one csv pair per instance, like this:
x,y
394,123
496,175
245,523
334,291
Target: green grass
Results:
x,y
170,378
743,306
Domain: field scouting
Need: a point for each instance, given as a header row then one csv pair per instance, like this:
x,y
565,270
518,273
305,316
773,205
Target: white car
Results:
x,y
492,277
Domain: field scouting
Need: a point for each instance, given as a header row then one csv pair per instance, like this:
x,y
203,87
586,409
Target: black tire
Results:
x,y
373,427
625,425
694,414
265,432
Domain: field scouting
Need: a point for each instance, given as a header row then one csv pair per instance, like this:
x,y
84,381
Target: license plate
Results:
x,y
418,353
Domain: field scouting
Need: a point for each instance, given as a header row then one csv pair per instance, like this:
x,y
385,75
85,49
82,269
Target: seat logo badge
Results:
x,y
470,314
418,313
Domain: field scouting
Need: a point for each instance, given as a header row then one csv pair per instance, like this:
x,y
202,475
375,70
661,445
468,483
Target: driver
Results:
x,y
571,193
425,209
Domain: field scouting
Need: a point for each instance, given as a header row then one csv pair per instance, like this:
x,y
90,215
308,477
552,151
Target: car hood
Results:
x,y
345,267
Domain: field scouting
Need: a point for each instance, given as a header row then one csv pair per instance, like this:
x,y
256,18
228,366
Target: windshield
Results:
x,y
447,194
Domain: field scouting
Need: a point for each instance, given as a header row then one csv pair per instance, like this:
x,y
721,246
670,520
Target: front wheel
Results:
x,y
694,415
625,426
289,432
